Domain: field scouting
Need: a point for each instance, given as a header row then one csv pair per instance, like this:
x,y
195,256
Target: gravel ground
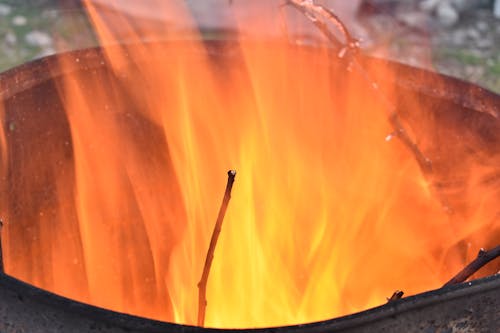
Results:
x,y
471,50
464,43
31,29
468,48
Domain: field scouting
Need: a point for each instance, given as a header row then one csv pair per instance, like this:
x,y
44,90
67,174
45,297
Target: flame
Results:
x,y
326,217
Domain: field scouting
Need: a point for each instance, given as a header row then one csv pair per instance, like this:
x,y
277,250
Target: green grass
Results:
x,y
465,57
494,69
20,51
70,28
456,61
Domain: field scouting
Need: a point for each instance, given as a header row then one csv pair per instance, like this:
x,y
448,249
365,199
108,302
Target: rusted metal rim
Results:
x,y
462,93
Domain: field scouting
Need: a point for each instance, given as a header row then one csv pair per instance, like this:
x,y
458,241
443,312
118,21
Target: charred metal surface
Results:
x,y
35,120
469,307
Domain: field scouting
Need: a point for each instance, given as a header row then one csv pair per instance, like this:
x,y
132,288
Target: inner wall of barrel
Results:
x,y
36,126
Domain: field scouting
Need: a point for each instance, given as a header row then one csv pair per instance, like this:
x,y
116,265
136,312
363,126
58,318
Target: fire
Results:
x,y
326,217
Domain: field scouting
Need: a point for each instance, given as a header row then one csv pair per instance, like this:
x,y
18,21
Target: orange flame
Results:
x,y
326,217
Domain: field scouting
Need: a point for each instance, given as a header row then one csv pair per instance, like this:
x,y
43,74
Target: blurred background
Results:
x,y
456,37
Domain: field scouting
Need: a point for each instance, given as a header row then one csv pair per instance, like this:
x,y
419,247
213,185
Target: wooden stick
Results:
x,y
483,257
202,285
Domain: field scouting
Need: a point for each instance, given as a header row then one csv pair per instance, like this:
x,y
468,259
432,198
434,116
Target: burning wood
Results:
x,y
202,285
483,258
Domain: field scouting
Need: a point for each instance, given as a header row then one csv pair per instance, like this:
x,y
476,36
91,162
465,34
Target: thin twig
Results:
x,y
316,12
322,26
349,50
483,257
202,285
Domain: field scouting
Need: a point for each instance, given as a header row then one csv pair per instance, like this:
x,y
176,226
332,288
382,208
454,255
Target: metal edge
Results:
x,y
135,323
455,90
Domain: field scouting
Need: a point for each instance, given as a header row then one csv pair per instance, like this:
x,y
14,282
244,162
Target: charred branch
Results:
x,y
398,294
202,285
318,13
483,258
320,16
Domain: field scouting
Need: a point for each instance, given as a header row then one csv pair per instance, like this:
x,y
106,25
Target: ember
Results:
x,y
112,191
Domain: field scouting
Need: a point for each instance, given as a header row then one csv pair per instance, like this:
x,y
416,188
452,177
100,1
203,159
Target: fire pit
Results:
x,y
356,177
37,124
